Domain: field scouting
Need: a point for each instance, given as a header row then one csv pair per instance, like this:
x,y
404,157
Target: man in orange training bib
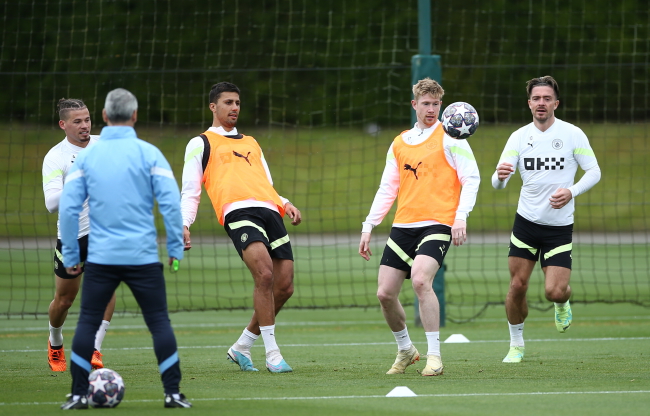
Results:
x,y
238,181
435,179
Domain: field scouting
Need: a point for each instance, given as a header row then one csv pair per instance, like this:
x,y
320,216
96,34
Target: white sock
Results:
x,y
562,305
99,336
403,339
516,334
433,341
244,343
56,336
273,355
247,339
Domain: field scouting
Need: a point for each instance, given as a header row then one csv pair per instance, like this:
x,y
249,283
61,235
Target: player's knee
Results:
x,y
385,297
518,286
264,279
64,302
556,294
421,286
284,291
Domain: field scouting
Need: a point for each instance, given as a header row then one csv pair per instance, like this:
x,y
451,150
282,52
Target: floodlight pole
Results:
x,y
426,65
424,27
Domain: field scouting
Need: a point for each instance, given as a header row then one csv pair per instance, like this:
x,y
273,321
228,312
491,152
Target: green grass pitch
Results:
x,y
599,367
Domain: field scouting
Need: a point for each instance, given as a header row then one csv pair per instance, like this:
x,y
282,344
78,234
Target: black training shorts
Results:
x,y
59,268
551,245
246,225
406,243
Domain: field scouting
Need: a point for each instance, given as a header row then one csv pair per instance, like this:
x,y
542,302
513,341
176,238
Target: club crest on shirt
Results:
x,y
557,144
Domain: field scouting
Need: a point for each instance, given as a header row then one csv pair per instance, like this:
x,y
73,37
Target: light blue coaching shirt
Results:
x,y
120,176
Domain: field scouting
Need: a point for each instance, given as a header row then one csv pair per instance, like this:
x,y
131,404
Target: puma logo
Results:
x,y
414,170
242,156
442,250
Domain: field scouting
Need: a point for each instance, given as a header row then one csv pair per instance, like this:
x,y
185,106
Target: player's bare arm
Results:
x,y
293,213
504,170
459,232
364,246
560,198
186,238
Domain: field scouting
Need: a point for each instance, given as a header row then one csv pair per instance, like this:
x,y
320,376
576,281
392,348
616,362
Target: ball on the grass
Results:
x,y
460,120
106,388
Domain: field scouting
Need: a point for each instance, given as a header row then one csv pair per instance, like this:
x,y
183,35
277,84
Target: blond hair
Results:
x,y
427,86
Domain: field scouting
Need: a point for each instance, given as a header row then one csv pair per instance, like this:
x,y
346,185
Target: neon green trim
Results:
x,y
462,152
584,152
439,237
510,153
558,250
245,223
402,255
58,255
193,153
520,244
277,243
52,175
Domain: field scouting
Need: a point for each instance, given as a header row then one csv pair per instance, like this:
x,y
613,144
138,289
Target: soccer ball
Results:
x,y
459,120
106,388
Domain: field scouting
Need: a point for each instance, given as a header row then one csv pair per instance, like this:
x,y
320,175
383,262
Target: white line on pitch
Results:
x,y
325,323
354,344
374,396
214,325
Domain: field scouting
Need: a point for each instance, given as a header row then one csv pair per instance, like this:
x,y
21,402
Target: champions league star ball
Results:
x,y
459,120
106,388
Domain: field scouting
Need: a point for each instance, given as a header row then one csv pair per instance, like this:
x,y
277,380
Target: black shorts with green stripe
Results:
x,y
246,225
59,268
406,243
551,245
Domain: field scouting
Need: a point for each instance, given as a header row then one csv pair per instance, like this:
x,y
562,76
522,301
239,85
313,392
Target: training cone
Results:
x,y
401,391
456,338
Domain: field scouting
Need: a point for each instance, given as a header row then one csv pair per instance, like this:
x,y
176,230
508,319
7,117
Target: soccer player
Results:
x,y
435,179
122,176
75,121
238,182
547,153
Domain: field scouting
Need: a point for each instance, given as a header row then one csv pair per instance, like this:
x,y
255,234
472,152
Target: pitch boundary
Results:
x,y
350,344
375,396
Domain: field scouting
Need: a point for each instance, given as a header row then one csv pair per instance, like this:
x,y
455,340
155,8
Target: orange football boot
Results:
x,y
96,361
56,358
